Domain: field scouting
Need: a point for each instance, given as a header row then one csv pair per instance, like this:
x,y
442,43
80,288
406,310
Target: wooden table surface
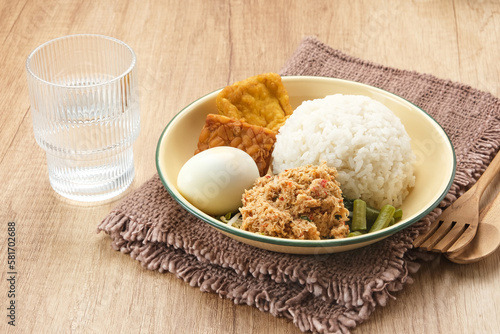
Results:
x,y
69,280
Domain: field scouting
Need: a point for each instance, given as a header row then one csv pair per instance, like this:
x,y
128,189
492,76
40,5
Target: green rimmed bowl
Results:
x,y
434,169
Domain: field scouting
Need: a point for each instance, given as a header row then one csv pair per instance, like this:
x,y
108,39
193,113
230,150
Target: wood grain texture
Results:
x,y
71,281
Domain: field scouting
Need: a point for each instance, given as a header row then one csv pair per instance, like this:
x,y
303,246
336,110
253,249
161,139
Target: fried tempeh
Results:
x,y
257,141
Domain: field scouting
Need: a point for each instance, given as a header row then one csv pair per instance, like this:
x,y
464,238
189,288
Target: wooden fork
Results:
x,y
457,225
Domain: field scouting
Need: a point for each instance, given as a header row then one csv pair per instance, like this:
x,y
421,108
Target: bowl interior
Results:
x,y
434,169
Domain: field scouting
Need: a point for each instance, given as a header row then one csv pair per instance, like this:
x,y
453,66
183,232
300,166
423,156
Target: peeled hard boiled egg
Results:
x,y
215,179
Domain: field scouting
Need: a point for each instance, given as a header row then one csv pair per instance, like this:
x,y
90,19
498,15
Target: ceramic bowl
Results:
x,y
434,170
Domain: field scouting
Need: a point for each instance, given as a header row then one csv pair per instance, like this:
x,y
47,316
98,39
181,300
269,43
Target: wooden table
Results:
x,y
69,280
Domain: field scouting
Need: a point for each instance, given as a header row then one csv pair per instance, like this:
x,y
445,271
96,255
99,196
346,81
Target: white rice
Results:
x,y
360,137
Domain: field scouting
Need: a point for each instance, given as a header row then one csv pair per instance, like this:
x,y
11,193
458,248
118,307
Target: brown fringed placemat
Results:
x,y
321,293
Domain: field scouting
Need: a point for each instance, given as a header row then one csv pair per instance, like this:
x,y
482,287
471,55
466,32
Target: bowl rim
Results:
x,y
326,243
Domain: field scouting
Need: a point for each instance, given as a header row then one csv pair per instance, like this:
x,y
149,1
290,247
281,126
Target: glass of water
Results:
x,y
85,109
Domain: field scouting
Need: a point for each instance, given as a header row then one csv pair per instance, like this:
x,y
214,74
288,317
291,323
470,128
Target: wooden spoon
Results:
x,y
487,239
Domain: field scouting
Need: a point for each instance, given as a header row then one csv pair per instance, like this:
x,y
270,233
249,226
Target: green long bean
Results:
x,y
371,214
398,214
359,215
384,218
354,234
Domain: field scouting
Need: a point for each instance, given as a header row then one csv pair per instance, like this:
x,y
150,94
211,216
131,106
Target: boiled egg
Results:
x,y
214,180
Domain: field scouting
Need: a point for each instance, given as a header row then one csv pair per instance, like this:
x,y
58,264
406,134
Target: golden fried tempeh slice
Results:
x,y
259,100
257,141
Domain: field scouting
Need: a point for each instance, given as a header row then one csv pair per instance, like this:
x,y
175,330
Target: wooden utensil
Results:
x,y
487,239
457,225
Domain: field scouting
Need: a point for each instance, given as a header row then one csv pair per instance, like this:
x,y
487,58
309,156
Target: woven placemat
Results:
x,y
321,293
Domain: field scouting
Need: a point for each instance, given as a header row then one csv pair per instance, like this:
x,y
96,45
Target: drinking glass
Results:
x,y
85,109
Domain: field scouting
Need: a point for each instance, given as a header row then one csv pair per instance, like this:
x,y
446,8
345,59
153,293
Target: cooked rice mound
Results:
x,y
299,203
362,138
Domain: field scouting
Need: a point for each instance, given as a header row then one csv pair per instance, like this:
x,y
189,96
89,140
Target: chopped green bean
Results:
x,y
384,218
371,219
359,215
354,234
371,214
398,214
